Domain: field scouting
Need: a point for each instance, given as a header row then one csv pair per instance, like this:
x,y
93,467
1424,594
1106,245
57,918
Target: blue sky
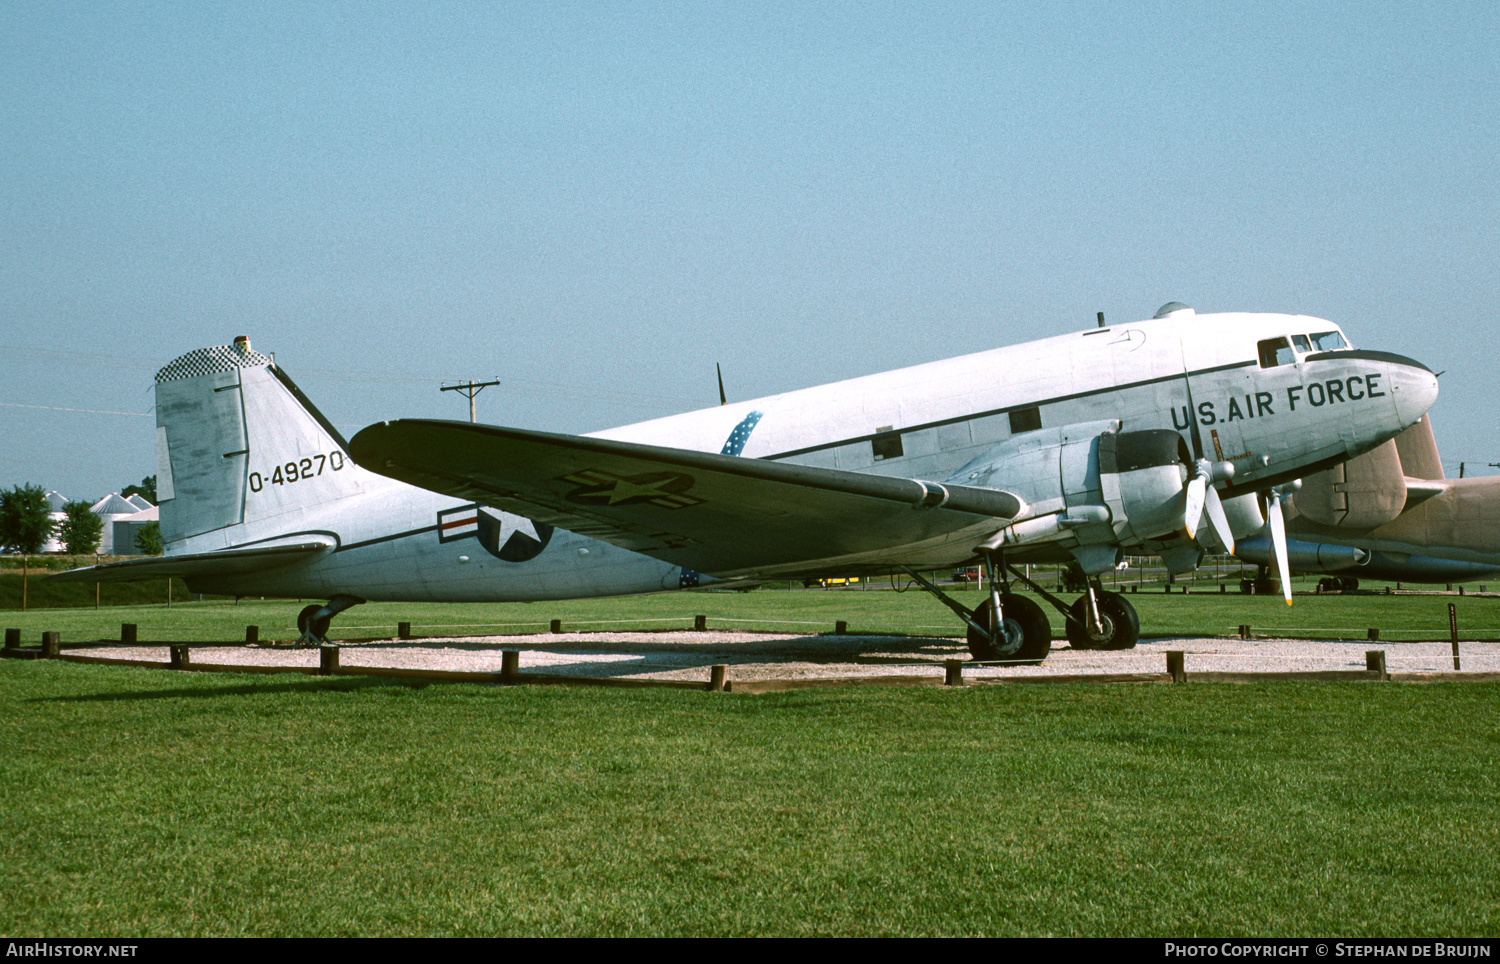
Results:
x,y
598,202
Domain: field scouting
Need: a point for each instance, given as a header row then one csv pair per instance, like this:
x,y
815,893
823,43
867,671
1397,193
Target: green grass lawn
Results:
x,y
141,803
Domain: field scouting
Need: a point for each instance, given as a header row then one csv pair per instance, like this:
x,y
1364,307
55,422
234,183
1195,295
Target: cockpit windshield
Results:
x,y
1290,349
1329,341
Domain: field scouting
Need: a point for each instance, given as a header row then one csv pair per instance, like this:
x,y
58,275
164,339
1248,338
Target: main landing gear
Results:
x,y
1024,635
1097,620
312,622
1113,624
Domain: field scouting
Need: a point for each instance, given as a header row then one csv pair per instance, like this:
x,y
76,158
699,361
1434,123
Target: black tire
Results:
x,y
1122,626
319,626
1027,617
1079,636
1348,583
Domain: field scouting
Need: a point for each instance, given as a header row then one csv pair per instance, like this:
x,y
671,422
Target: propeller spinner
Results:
x,y
1202,496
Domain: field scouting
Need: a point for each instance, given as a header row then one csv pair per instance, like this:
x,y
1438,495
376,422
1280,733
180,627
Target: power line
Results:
x,y
87,411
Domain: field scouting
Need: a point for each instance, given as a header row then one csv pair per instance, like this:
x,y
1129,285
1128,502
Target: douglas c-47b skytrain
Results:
x,y
1081,447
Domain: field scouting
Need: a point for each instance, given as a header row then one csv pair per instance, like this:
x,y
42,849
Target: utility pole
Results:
x,y
470,389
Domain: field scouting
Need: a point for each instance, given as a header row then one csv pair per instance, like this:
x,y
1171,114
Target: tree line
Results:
x,y
26,522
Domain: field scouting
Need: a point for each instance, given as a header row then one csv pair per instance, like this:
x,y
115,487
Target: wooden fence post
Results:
x,y
1453,632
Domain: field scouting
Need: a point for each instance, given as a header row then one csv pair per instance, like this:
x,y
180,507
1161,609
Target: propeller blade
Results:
x,y
1218,521
1197,488
1277,526
720,371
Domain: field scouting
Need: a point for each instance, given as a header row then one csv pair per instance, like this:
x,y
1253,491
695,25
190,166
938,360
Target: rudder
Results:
x,y
237,442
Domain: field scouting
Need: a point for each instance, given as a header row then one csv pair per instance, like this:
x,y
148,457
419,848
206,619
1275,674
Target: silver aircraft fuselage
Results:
x,y
1253,390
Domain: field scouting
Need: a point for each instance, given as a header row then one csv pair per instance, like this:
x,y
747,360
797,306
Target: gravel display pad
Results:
x,y
688,655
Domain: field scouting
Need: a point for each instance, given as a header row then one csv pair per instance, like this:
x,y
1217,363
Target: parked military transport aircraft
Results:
x,y
1083,446
1389,514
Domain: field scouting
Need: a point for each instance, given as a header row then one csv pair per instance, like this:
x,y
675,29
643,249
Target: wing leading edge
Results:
x,y
718,514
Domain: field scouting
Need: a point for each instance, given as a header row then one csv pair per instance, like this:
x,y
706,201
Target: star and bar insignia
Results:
x,y
503,535
663,489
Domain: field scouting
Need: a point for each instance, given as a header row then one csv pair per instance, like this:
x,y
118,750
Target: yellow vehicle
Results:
x,y
828,581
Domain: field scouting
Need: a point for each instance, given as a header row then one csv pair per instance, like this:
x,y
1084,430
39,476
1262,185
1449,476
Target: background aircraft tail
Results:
x,y
238,442
1374,488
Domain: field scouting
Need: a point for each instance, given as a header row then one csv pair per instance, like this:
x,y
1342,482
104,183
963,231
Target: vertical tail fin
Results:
x,y
1419,452
237,442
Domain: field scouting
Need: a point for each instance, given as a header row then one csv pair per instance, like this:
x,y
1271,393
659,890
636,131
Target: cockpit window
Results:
x,y
1300,343
1275,351
1329,341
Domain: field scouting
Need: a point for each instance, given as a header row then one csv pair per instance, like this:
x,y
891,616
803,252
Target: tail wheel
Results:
x,y
306,621
1025,637
1121,625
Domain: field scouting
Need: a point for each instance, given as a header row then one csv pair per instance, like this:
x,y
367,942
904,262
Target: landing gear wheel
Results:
x,y
1026,636
1122,627
1348,584
307,624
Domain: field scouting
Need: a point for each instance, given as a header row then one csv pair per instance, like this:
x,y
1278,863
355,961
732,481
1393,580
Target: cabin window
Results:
x,y
1300,343
1275,351
1025,420
1329,341
886,444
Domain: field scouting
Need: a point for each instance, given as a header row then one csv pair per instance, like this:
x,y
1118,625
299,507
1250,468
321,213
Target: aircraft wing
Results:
x,y
225,562
718,514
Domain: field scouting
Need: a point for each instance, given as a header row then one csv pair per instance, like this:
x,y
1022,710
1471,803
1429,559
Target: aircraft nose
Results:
x,y
1415,388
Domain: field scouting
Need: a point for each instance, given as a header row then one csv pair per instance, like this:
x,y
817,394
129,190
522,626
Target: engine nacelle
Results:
x,y
1144,476
1304,556
1090,488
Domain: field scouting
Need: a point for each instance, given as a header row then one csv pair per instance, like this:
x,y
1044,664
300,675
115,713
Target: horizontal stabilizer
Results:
x,y
225,562
716,514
